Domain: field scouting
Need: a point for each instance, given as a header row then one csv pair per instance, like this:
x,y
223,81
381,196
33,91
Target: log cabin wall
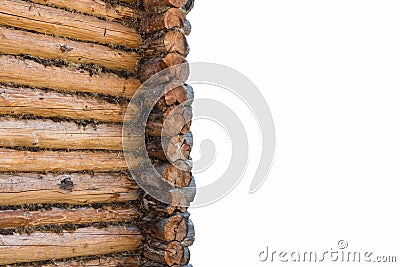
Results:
x,y
68,69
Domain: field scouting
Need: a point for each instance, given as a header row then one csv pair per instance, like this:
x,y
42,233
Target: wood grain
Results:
x,y
81,242
22,218
16,42
30,73
95,8
49,20
20,101
46,134
74,189
60,161
117,261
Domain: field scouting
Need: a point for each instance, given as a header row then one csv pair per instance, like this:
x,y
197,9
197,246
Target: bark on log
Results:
x,y
96,8
47,134
25,101
106,261
172,253
74,189
21,218
15,42
30,73
190,237
169,229
172,18
43,19
169,42
161,5
81,242
59,161
189,6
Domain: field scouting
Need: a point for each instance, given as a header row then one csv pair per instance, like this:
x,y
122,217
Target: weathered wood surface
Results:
x,y
81,242
16,42
60,161
26,101
64,135
169,229
22,218
74,189
161,5
30,73
175,120
172,18
95,8
190,237
156,65
116,261
169,42
49,20
172,253
176,175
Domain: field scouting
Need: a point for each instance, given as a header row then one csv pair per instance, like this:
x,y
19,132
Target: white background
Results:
x,y
329,71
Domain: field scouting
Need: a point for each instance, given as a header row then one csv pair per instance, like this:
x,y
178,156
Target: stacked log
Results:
x,y
68,69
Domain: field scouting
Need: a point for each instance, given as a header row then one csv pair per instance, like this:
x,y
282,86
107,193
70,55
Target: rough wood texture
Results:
x,y
60,161
95,8
21,218
172,253
63,135
30,73
81,242
176,148
169,42
174,228
74,189
20,101
190,237
154,66
15,42
116,261
176,175
49,20
172,18
160,5
173,120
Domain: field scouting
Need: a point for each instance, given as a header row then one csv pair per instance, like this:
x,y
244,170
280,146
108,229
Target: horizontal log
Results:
x,y
22,218
49,20
172,18
169,229
177,148
95,8
20,101
177,175
30,73
64,135
174,121
161,5
15,42
116,261
74,189
172,253
81,242
60,161
169,42
154,66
